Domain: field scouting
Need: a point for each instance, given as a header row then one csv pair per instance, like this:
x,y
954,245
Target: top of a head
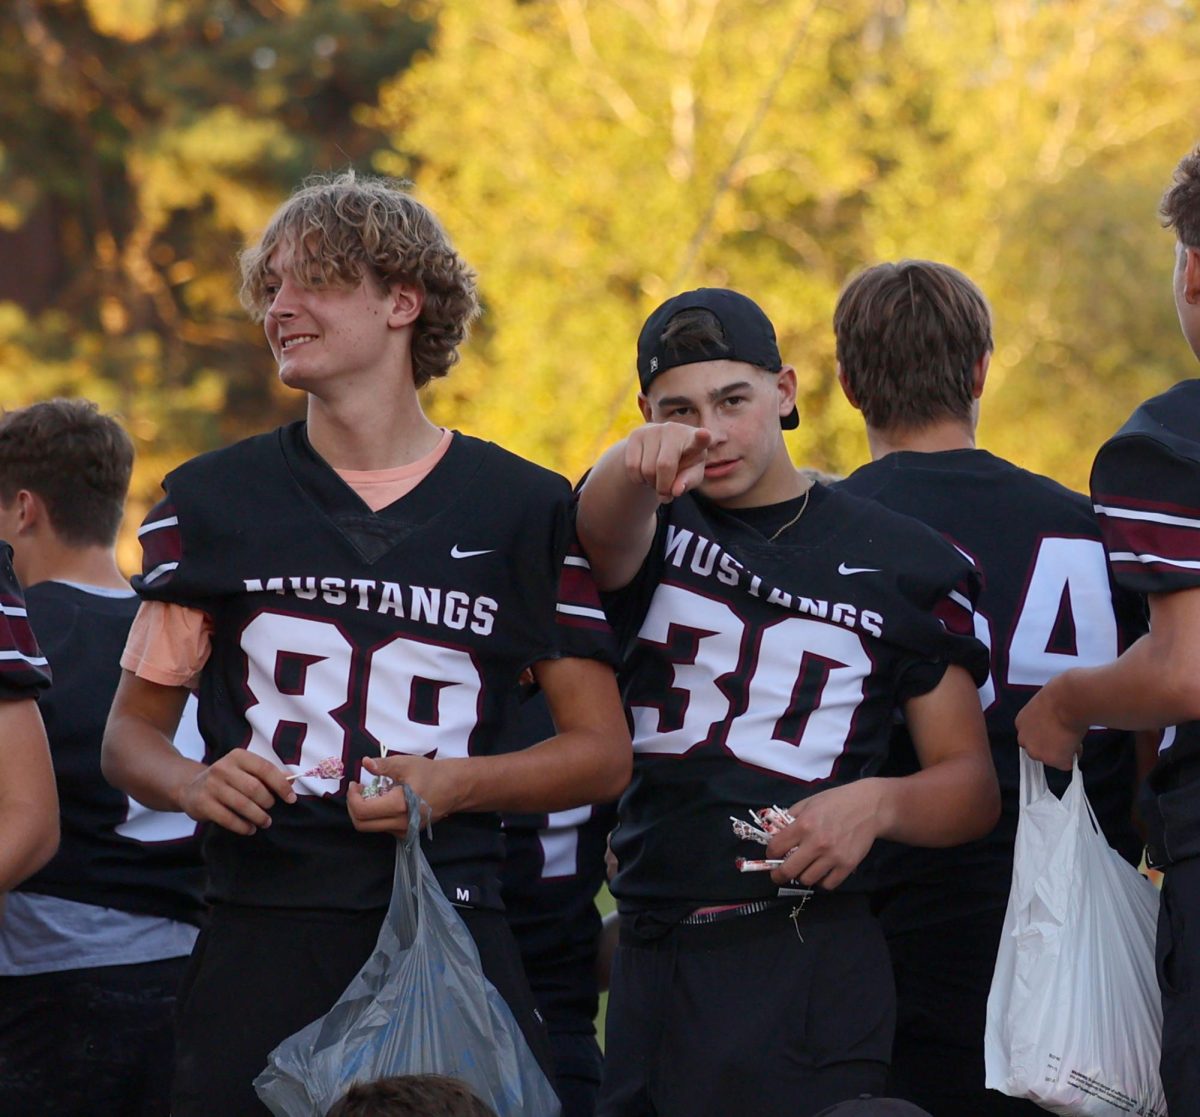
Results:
x,y
747,335
874,1107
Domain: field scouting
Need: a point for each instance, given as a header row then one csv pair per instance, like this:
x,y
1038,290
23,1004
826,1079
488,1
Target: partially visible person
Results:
x,y
914,341
93,947
1145,487
867,1106
29,827
410,1095
773,629
356,596
553,868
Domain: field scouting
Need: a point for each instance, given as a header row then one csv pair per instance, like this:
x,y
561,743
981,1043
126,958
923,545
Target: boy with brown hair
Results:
x,y
357,582
93,945
914,343
1145,487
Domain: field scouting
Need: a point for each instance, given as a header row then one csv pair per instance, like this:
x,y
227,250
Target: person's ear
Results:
x,y
1191,275
847,391
786,385
407,302
979,374
31,510
644,407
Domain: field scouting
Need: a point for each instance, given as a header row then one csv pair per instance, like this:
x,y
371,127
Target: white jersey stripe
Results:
x,y
1147,517
155,525
1149,560
158,571
580,611
13,611
959,599
32,660
577,560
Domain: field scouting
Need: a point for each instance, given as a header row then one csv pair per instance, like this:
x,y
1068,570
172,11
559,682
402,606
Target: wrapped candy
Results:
x,y
766,822
331,768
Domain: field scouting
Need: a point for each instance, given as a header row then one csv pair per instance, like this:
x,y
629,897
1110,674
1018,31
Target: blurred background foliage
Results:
x,y
590,158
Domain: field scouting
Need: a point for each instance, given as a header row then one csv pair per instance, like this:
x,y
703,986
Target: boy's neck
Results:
x,y
369,437
949,434
55,561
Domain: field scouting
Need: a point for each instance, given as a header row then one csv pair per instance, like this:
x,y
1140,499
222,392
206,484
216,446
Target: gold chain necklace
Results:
x,y
781,530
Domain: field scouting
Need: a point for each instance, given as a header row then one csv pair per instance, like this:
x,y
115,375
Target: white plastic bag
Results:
x,y
1074,1019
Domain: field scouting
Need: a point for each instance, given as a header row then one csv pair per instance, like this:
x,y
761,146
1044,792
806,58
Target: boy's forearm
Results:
x,y
953,801
138,755
615,520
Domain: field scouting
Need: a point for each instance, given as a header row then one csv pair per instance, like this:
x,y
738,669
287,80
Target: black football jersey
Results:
x,y
553,869
1146,490
24,671
114,852
760,672
1047,604
340,632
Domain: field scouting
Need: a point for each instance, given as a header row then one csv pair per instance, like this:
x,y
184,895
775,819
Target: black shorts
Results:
x,y
78,1043
1177,957
259,975
760,1013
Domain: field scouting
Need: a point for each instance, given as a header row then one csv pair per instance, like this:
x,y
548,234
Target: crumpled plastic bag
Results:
x,y
419,1005
1074,1017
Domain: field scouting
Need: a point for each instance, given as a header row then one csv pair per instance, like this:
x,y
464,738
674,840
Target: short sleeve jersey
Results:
x,y
1146,491
759,672
339,632
1047,604
24,671
114,852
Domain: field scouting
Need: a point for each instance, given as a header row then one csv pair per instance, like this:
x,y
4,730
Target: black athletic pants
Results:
x,y
1177,956
755,1014
90,1042
259,975
943,977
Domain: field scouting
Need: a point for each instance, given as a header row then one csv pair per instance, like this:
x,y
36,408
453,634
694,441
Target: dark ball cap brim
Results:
x,y
749,337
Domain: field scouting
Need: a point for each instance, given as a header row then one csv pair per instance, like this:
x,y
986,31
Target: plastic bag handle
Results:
x,y
1033,786
1033,779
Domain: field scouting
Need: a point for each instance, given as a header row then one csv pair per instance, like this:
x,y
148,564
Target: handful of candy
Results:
x,y
767,821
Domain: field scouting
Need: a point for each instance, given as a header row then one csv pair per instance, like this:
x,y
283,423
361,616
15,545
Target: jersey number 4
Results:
x,y
1065,618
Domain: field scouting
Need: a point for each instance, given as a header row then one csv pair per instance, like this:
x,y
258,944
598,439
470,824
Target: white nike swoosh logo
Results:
x,y
844,569
456,553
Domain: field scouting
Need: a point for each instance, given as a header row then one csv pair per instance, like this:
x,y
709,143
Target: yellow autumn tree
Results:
x,y
592,158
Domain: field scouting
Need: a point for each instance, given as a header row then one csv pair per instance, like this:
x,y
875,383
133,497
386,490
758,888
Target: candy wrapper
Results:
x,y
331,768
379,785
768,821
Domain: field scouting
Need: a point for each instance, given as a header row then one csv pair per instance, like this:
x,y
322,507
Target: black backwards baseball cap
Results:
x,y
749,337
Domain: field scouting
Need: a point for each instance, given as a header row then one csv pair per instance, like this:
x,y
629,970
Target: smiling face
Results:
x,y
740,405
324,334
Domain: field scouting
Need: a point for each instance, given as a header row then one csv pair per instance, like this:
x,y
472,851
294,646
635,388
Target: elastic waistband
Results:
x,y
651,930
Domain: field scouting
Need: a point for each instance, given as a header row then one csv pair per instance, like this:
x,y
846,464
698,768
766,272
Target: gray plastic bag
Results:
x,y
419,1005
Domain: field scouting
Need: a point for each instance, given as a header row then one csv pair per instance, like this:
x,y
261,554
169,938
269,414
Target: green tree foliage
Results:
x,y
591,157
141,143
603,155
